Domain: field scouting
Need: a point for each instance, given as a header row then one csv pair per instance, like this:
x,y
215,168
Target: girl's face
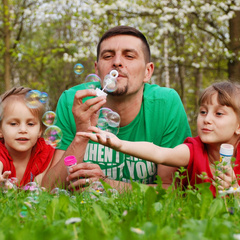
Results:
x,y
217,124
20,128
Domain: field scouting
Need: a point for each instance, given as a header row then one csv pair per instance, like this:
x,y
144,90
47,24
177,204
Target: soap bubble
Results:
x,y
102,123
33,98
49,118
91,81
108,120
59,191
97,186
33,187
43,97
109,83
113,130
53,136
103,112
24,211
113,119
78,68
92,78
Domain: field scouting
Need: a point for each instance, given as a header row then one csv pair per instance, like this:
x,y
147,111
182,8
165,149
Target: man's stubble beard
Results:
x,y
120,91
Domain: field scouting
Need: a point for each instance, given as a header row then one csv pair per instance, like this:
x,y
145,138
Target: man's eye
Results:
x,y
107,56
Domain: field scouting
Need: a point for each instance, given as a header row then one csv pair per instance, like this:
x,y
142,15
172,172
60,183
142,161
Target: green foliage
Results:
x,y
139,214
49,37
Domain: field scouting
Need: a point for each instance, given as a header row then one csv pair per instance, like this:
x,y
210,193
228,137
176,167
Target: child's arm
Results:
x,y
178,156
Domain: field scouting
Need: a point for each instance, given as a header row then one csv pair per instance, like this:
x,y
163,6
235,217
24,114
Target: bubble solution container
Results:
x,y
70,161
226,152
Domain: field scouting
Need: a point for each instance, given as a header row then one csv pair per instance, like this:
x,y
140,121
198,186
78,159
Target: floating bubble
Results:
x,y
92,78
113,119
113,192
103,112
108,120
33,98
53,136
97,186
102,123
14,180
78,68
113,130
33,199
91,81
49,118
31,186
24,211
109,83
59,191
43,97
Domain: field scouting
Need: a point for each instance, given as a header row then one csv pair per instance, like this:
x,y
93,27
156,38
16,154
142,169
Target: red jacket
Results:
x,y
39,161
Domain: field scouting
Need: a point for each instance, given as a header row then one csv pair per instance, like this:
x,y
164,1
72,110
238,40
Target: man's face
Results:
x,y
125,54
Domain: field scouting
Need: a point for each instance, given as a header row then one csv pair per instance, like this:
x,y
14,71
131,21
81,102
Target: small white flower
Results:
x,y
73,220
125,212
236,236
137,230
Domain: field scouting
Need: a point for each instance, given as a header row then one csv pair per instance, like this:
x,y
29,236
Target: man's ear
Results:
x,y
148,72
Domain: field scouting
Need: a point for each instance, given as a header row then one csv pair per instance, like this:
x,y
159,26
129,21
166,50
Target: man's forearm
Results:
x,y
118,185
57,173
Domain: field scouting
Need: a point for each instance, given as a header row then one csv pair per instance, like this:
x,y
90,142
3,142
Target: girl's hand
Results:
x,y
105,138
4,181
4,176
225,179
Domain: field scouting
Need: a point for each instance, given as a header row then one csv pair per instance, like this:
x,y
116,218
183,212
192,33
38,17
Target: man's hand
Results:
x,y
85,114
83,174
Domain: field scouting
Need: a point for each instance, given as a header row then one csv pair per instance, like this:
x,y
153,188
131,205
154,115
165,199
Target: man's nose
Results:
x,y
117,61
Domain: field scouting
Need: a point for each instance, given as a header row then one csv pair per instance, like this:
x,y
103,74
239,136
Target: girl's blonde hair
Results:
x,y
228,94
18,94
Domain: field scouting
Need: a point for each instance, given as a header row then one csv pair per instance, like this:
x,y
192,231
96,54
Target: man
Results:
x,y
148,113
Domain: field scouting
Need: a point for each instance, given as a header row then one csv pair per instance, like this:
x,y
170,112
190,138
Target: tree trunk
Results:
x,y
234,46
7,34
198,84
166,63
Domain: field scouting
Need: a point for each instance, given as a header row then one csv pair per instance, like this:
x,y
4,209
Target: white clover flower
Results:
x,y
137,230
73,220
236,236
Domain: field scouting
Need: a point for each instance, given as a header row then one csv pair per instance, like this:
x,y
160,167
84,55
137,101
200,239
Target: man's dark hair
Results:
x,y
126,30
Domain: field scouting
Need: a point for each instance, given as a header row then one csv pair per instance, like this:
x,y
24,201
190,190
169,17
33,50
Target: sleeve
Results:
x,y
176,128
65,121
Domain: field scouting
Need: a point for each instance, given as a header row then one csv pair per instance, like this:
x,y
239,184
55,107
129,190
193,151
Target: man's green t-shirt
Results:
x,y
162,120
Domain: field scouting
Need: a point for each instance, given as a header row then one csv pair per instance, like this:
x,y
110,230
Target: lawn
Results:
x,y
143,213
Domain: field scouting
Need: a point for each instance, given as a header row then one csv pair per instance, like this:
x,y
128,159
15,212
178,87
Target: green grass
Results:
x,y
143,213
